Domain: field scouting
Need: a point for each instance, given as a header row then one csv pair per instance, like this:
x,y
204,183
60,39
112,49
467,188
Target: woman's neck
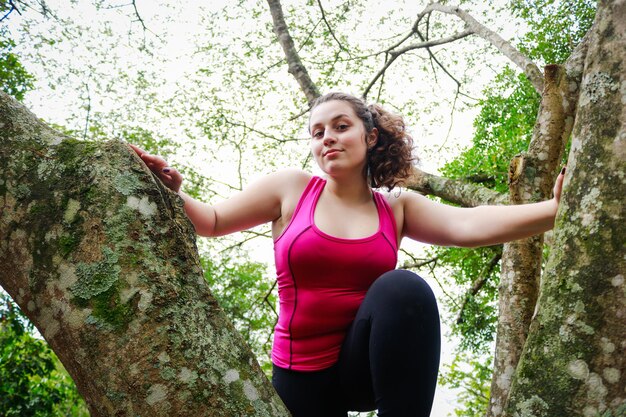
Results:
x,y
351,190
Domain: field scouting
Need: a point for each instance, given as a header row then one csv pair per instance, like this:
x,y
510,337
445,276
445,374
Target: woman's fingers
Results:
x,y
150,160
558,185
174,178
137,149
168,175
154,160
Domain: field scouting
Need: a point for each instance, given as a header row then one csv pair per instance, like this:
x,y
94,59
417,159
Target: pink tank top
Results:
x,y
322,281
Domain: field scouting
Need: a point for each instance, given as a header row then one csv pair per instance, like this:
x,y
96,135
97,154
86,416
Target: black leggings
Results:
x,y
389,360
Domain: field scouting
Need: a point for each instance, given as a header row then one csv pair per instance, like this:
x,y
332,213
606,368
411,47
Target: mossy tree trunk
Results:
x,y
573,363
531,177
102,259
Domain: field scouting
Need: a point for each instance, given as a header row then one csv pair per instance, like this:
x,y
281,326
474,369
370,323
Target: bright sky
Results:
x,y
62,88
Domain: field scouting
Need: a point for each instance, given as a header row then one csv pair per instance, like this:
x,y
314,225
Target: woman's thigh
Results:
x,y
390,357
310,394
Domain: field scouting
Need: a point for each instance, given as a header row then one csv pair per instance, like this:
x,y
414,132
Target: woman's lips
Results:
x,y
331,152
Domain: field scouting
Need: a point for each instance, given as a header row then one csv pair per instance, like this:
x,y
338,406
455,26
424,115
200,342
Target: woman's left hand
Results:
x,y
558,186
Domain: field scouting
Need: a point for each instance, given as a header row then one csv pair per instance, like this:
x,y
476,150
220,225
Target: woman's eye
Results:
x,y
318,134
342,127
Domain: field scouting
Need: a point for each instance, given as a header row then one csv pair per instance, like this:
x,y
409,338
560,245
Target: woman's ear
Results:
x,y
372,138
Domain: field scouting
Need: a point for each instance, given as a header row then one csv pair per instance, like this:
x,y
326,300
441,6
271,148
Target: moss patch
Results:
x,y
108,309
127,183
96,278
67,244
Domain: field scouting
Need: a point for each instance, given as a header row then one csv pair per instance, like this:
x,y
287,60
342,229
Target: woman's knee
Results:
x,y
403,287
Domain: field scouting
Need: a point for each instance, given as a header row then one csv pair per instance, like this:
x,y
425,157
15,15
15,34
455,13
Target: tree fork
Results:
x,y
102,259
529,68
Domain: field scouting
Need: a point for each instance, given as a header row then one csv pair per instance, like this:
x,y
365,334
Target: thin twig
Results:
x,y
529,68
13,7
302,113
267,296
265,135
456,96
330,29
143,25
428,49
309,35
397,53
478,284
434,58
88,111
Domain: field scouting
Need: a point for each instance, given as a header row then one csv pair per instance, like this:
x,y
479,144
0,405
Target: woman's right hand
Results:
x,y
169,176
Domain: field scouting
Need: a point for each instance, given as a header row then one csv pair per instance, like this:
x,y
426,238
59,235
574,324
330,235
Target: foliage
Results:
x,y
555,27
32,380
14,79
472,377
476,323
503,128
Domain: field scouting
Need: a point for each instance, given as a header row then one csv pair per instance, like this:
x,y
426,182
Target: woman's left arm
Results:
x,y
431,222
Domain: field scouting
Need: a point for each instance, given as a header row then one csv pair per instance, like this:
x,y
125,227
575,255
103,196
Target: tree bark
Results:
x,y
455,191
102,259
573,362
531,177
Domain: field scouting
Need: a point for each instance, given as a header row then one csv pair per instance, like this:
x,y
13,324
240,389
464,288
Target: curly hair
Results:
x,y
390,160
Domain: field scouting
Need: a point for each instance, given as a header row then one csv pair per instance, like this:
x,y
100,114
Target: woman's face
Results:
x,y
338,138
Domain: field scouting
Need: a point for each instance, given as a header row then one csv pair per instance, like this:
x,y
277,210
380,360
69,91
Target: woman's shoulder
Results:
x,y
399,197
292,176
289,182
395,198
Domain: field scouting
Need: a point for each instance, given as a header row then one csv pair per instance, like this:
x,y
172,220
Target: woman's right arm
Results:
x,y
258,203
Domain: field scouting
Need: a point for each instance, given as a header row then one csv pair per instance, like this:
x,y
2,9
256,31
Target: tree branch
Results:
x,y
139,19
478,283
296,68
455,191
531,177
149,303
330,29
260,133
524,63
13,7
394,54
415,264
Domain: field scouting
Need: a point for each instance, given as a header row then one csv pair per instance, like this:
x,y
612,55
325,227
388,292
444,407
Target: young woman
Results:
x,y
354,333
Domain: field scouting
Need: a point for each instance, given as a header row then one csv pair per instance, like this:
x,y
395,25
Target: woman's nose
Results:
x,y
329,138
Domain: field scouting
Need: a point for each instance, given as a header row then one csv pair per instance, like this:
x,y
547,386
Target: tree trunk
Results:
x,y
573,360
531,176
102,259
